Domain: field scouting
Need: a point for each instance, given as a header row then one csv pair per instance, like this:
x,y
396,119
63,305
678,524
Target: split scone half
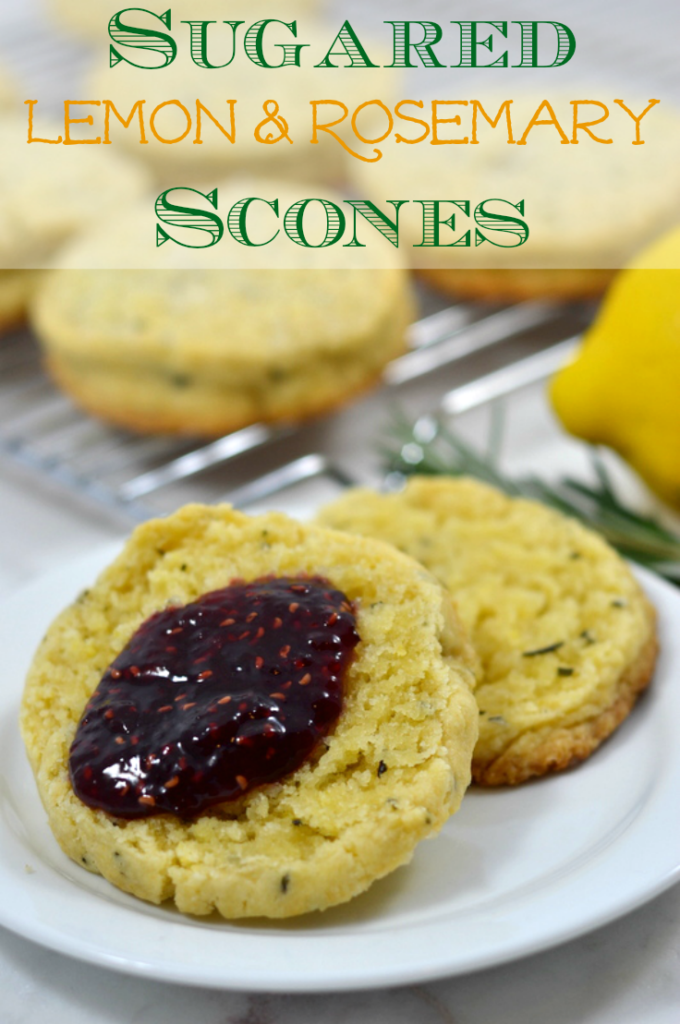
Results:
x,y
388,772
564,632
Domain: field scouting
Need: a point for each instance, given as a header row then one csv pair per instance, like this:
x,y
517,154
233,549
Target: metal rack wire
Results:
x,y
136,477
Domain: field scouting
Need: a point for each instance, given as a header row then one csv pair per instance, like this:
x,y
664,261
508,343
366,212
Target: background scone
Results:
x,y
564,633
90,18
49,193
234,147
205,351
392,772
588,207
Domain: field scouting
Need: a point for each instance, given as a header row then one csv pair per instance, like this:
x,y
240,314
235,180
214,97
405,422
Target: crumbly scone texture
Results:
x,y
208,351
326,832
564,632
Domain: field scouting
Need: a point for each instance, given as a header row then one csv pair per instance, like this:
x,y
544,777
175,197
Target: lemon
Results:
x,y
623,388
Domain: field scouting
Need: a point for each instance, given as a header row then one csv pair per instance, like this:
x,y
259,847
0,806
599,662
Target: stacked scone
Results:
x,y
251,334
48,193
262,717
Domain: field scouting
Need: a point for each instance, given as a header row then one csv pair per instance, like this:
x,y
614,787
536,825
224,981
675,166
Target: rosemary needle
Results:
x,y
429,446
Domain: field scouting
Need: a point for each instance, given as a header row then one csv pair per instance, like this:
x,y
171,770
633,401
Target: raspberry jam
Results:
x,y
211,700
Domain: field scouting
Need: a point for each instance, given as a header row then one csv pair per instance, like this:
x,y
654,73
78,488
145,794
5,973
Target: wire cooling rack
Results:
x,y
460,357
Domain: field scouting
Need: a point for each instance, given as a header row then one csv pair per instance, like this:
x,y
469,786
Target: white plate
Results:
x,y
512,873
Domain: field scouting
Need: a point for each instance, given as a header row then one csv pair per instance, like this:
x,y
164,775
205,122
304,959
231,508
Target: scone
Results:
x,y
16,290
375,779
588,207
564,632
489,285
251,89
90,18
204,351
48,194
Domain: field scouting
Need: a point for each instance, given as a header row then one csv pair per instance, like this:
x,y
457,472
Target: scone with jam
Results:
x,y
251,715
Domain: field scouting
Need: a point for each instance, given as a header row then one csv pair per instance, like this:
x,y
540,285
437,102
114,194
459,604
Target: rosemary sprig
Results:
x,y
430,446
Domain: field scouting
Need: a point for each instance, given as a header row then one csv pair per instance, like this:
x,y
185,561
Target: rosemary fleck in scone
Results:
x,y
251,715
564,633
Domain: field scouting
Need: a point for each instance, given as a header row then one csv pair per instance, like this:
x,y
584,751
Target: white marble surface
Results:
x,y
627,973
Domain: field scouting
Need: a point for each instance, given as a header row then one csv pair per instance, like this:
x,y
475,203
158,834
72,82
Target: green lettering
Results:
x,y
188,217
293,223
469,43
141,39
253,43
566,44
432,222
199,42
236,221
402,44
389,229
351,47
501,222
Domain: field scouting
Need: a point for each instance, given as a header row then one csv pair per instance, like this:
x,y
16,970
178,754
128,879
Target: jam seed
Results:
x,y
285,651
228,622
293,607
147,801
115,673
242,781
177,629
109,713
134,671
332,619
272,726
305,679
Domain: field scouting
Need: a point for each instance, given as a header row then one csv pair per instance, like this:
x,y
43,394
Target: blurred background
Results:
x,y
105,377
